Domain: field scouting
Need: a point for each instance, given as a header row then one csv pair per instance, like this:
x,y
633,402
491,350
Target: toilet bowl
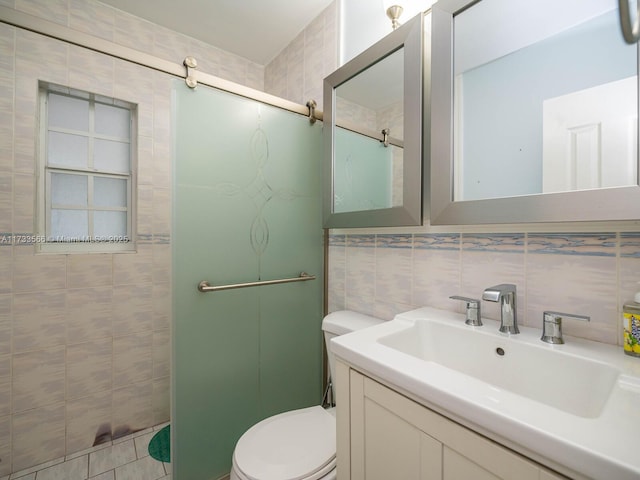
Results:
x,y
299,444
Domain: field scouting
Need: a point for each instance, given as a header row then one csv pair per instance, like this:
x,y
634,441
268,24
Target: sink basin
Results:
x,y
573,407
576,385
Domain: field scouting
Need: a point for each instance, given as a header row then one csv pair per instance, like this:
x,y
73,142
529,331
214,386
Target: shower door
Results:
x,y
247,207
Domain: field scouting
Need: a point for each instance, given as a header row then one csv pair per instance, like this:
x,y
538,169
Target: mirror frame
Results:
x,y
410,36
607,204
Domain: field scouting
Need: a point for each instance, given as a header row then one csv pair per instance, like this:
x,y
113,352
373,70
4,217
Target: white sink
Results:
x,y
576,385
574,407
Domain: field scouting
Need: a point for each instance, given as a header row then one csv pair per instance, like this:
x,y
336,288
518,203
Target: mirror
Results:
x,y
373,134
367,170
537,106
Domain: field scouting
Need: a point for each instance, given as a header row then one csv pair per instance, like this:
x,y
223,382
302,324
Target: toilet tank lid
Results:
x,y
346,321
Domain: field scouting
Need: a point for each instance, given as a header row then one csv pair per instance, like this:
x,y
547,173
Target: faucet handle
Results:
x,y
552,325
473,310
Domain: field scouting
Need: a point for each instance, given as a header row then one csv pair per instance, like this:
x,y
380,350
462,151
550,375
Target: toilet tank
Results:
x,y
341,322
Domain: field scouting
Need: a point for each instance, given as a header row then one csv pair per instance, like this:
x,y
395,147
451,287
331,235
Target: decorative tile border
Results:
x,y
437,241
506,243
337,240
161,239
591,244
630,245
144,239
394,241
361,241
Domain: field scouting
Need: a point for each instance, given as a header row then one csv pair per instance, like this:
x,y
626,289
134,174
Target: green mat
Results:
x,y
160,445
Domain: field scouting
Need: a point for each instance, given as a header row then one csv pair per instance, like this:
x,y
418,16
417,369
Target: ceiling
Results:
x,y
254,29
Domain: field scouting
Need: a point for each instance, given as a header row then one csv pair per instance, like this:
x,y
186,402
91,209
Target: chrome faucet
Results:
x,y
505,293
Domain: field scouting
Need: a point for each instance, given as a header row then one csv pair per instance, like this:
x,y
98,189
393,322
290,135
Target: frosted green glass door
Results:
x,y
247,207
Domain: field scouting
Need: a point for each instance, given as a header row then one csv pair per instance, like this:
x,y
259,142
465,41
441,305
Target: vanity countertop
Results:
x,y
574,407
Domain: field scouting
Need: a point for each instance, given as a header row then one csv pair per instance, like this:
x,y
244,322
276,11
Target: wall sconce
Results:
x,y
395,8
393,12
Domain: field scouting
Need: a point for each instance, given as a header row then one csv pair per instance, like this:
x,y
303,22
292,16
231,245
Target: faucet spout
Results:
x,y
505,293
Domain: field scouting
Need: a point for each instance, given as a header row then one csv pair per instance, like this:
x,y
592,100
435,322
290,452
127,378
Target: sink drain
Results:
x,y
500,351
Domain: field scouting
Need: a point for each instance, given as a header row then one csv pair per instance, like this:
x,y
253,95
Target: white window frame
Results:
x,y
44,243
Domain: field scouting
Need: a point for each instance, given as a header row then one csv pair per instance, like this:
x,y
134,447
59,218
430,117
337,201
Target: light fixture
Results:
x,y
408,8
393,12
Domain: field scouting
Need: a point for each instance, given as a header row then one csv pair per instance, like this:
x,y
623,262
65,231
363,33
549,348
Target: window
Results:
x,y
86,180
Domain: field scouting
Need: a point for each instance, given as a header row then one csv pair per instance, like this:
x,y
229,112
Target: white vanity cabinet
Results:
x,y
384,435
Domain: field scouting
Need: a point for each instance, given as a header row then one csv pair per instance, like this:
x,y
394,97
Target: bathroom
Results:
x,y
85,342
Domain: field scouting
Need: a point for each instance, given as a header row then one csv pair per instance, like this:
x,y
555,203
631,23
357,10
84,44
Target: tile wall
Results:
x,y
85,339
586,273
298,71
100,20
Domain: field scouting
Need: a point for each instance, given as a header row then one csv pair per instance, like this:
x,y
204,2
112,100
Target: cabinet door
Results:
x,y
468,455
549,475
396,449
459,467
385,445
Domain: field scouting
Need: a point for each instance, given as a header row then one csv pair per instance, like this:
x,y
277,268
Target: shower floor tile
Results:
x,y
124,459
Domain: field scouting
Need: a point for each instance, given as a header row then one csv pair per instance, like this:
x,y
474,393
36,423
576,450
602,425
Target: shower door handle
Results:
x,y
630,31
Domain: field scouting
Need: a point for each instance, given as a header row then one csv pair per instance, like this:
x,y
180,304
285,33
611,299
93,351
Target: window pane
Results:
x,y
88,166
111,156
68,112
69,190
69,225
113,121
107,224
67,150
109,192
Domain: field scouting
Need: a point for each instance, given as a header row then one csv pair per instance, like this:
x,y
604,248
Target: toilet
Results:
x,y
299,444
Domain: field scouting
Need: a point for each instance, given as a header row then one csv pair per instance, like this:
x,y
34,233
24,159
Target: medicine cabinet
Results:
x,y
534,113
373,113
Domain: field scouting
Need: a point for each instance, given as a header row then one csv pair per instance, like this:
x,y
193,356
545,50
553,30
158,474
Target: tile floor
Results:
x,y
124,459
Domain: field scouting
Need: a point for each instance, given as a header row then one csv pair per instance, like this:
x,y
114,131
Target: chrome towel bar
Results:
x,y
204,286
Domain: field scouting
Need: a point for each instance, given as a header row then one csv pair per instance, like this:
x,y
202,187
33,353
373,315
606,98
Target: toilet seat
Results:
x,y
295,445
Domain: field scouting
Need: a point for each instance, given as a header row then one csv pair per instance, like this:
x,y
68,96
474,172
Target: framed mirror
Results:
x,y
373,111
534,113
